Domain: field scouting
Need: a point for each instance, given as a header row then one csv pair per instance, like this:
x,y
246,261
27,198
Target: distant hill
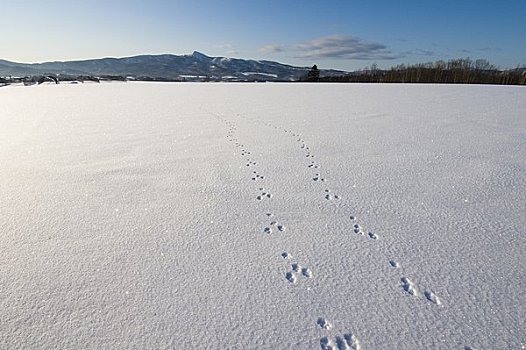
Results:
x,y
196,66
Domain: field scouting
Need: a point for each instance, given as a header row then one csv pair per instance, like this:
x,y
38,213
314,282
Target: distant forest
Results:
x,y
455,71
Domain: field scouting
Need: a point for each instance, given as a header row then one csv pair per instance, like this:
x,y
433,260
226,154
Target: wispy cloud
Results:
x,y
419,52
476,51
422,52
269,49
345,47
490,49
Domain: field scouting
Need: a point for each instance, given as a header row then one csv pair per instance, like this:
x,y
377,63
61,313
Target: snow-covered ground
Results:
x,y
262,216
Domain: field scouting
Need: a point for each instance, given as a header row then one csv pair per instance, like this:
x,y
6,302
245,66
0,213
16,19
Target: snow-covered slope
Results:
x,y
262,216
168,67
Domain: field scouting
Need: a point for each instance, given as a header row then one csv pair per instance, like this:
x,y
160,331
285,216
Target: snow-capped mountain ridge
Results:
x,y
167,66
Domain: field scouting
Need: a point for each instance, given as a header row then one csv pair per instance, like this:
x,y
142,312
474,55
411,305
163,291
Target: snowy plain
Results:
x,y
262,216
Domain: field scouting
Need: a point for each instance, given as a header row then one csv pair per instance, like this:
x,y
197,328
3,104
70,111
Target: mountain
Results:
x,y
196,66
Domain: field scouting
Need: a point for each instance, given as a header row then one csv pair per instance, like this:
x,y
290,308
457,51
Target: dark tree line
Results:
x,y
455,71
313,75
40,79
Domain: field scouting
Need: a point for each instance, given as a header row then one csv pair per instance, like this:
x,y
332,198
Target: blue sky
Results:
x,y
344,34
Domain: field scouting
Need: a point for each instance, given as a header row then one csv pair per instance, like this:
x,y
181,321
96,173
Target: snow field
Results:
x,y
262,216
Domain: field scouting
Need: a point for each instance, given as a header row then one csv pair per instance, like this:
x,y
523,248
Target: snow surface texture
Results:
x,y
262,216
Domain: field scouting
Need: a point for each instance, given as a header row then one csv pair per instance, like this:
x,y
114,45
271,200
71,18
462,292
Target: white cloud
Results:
x,y
344,47
269,49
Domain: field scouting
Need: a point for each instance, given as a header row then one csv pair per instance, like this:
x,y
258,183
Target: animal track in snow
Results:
x,y
263,195
250,163
313,165
296,272
286,255
432,297
323,323
394,264
318,177
256,176
347,342
372,235
409,287
277,225
329,196
360,231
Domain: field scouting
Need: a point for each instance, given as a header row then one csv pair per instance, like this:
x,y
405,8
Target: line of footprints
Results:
x,y
407,285
297,272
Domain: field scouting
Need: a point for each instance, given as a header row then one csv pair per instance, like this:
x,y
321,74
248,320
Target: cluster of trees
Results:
x,y
39,79
455,71
312,76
